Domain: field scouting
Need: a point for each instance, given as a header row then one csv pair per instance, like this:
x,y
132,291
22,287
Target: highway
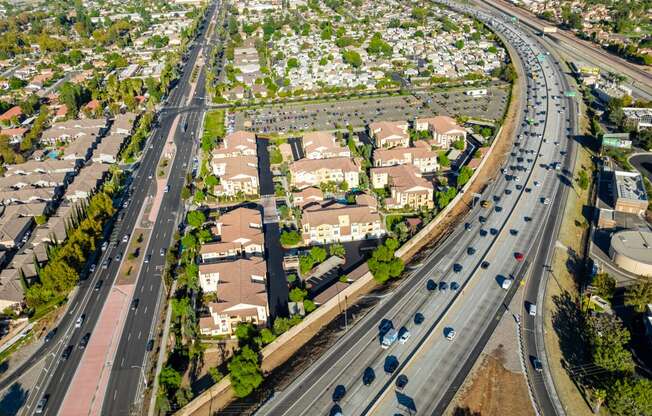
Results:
x,y
435,367
125,385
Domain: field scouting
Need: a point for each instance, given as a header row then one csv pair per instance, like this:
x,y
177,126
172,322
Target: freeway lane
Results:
x,y
358,350
57,377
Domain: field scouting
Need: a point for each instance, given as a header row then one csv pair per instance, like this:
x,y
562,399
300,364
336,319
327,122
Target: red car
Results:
x,y
518,256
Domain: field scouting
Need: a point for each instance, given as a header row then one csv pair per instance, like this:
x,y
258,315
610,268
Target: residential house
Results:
x,y
238,175
13,228
307,196
29,195
313,172
65,131
407,187
12,117
323,145
108,149
124,124
38,180
12,291
45,166
444,130
334,222
239,232
420,156
389,134
15,135
86,182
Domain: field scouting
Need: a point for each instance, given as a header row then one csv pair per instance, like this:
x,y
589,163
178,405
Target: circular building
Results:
x,y
631,250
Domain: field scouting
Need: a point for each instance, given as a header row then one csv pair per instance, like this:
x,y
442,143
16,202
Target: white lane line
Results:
x,y
122,362
139,334
151,287
129,336
115,393
141,289
145,309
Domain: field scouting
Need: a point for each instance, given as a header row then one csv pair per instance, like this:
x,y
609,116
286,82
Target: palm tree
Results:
x,y
599,395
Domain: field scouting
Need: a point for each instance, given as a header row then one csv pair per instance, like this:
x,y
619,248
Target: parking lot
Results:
x,y
360,112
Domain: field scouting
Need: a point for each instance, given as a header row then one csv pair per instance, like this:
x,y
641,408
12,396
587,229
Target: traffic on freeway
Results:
x,y
406,354
64,350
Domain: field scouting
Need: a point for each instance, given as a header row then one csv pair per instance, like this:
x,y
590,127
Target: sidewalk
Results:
x,y
86,393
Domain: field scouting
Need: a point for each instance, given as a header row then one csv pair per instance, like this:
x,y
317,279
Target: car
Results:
x,y
508,191
498,208
391,364
403,335
105,245
40,406
455,285
84,341
537,365
92,268
431,285
80,321
166,189
134,304
118,257
147,258
519,187
513,231
339,393
519,256
50,335
493,231
482,219
457,267
532,309
528,190
401,381
467,226
368,376
418,318
66,352
537,183
546,201
385,326
470,251
162,252
125,238
450,334
125,204
485,264
98,285
483,232
443,286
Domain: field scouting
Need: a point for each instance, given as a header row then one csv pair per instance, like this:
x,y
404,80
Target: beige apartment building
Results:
x,y
312,172
420,156
323,145
239,232
389,134
334,222
407,187
444,130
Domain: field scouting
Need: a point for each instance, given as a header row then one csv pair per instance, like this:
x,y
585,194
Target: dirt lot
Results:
x,y
493,390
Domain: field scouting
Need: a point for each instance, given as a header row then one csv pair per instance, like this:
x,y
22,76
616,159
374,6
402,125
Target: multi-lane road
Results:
x,y
478,256
125,386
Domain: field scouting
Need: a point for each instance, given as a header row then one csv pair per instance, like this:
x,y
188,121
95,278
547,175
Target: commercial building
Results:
x,y
629,192
631,250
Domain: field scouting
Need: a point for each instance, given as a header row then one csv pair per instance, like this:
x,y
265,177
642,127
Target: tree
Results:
x,y
383,265
196,218
459,44
245,372
337,250
267,336
245,332
639,295
189,241
309,305
292,63
630,397
290,238
583,179
281,325
463,176
604,286
215,374
352,58
607,338
443,159
318,254
169,378
298,295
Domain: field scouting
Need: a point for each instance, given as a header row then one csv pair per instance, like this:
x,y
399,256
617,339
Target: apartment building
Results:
x,y
407,187
241,295
66,131
323,145
388,134
420,156
444,130
238,175
239,143
333,222
238,232
312,172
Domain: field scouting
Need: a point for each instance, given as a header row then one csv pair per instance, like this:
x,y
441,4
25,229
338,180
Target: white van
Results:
x,y
533,309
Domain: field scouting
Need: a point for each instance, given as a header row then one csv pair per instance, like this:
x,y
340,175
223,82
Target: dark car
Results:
x,y
483,232
513,231
493,231
118,257
508,191
98,285
368,376
84,341
50,335
66,353
134,304
498,208
470,251
431,285
419,318
339,393
455,285
401,381
443,286
467,226
482,219
457,267
391,364
485,264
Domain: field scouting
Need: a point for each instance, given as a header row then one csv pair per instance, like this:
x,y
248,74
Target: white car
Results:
x,y
532,309
80,321
546,201
125,238
537,183
405,335
450,335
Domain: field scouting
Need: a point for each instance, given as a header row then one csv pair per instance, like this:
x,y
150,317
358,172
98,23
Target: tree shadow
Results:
x,y
13,400
567,321
575,266
465,411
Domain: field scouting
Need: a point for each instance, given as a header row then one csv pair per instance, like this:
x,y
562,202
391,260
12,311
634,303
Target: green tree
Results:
x,y
290,238
318,254
352,58
604,285
298,295
281,325
245,332
267,336
245,372
608,338
443,160
630,397
639,295
170,378
337,250
196,218
583,179
309,305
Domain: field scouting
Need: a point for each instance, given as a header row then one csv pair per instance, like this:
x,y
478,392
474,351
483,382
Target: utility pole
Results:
x,y
346,325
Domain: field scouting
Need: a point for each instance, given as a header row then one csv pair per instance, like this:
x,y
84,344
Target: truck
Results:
x,y
389,338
